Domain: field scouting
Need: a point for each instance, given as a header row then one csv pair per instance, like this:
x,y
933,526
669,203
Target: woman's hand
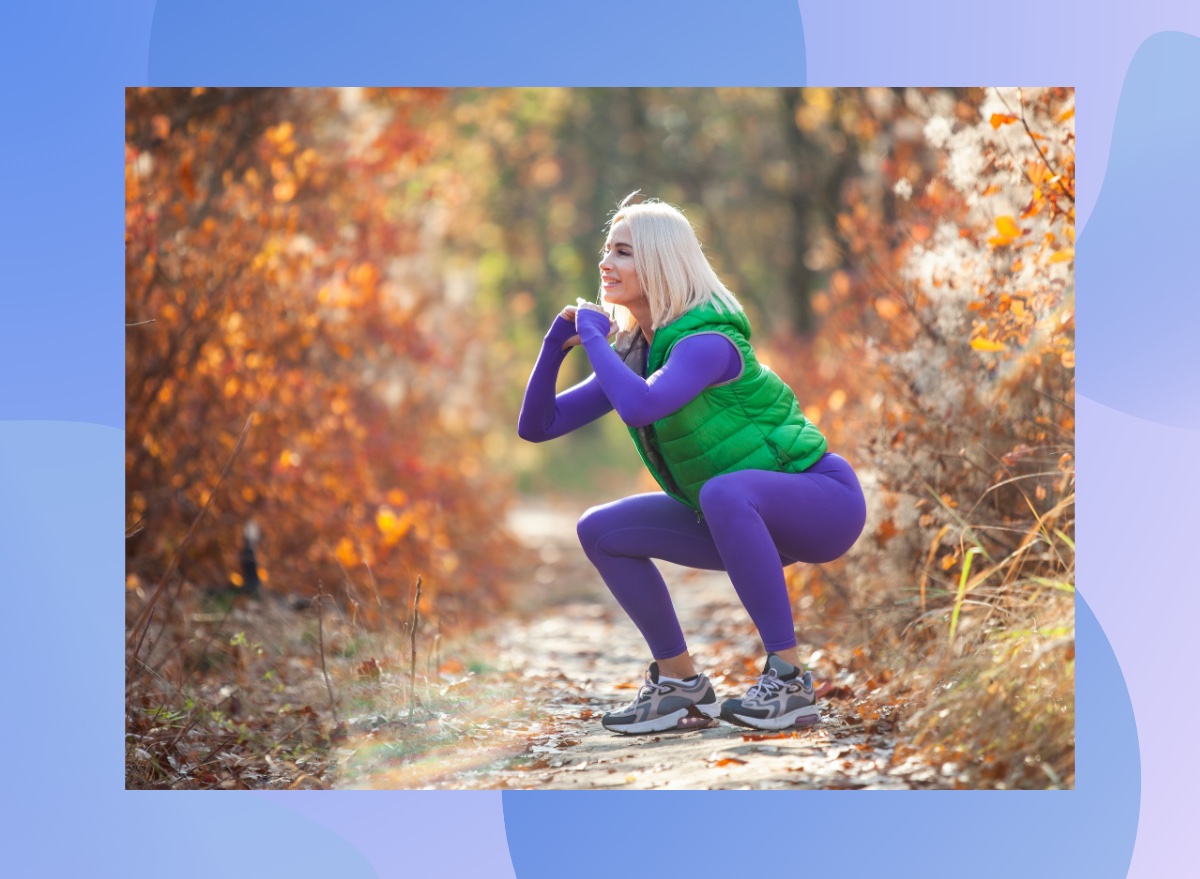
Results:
x,y
568,314
592,319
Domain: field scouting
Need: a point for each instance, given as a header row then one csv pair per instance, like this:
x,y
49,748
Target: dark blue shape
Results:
x,y
536,42
1139,302
984,834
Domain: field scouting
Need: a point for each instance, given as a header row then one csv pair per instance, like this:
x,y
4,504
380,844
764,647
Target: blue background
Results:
x,y
61,421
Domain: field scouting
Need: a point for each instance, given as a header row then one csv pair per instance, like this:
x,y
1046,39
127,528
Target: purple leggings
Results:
x,y
755,523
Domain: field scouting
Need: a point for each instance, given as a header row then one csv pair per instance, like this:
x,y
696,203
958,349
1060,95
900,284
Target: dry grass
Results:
x,y
274,694
982,670
222,696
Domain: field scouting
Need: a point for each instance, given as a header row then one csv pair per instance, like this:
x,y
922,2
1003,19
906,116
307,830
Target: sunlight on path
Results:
x,y
527,714
582,657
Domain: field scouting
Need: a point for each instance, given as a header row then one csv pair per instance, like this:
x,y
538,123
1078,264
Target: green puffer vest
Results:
x,y
752,422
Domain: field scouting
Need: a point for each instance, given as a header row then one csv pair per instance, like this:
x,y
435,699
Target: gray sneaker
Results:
x,y
666,705
782,698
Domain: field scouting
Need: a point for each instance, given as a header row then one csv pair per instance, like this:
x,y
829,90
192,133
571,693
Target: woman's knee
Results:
x,y
591,527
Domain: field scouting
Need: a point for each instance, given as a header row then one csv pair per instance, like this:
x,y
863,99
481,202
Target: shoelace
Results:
x,y
768,685
648,688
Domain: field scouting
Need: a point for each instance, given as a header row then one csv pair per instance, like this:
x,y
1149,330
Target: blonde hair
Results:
x,y
674,272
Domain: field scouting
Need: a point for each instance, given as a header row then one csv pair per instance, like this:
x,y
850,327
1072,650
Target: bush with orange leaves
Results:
x,y
271,285
945,370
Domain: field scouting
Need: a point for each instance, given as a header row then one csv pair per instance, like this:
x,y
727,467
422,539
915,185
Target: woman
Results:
x,y
748,486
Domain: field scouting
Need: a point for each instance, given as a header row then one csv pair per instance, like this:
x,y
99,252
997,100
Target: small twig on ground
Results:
x,y
352,587
135,528
437,649
374,589
321,642
412,674
138,648
196,716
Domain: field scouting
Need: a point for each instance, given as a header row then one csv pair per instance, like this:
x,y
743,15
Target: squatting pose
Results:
x,y
748,485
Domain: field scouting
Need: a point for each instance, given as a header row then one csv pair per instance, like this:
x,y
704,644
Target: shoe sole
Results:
x,y
682,720
801,717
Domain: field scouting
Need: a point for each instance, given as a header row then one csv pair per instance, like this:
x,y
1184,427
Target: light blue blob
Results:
x,y
1139,297
982,834
537,42
413,833
67,813
209,834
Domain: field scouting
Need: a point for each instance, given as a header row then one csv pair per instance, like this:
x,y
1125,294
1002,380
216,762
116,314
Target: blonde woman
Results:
x,y
748,485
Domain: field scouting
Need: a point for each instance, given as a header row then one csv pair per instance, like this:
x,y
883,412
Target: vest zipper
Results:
x,y
776,451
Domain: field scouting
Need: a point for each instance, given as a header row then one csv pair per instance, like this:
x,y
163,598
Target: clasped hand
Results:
x,y
589,315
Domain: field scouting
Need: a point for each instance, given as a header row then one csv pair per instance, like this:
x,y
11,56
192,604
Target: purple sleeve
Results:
x,y
546,415
694,363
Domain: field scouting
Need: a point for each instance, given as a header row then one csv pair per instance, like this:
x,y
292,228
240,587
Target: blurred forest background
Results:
x,y
334,298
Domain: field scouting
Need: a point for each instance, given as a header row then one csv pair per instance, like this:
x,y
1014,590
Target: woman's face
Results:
x,y
618,277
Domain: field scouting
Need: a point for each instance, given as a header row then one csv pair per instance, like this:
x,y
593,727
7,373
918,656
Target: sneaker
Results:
x,y
782,698
666,705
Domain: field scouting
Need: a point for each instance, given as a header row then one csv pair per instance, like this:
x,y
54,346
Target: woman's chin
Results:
x,y
616,298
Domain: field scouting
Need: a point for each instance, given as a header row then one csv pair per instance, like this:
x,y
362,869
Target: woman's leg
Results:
x,y
757,517
622,537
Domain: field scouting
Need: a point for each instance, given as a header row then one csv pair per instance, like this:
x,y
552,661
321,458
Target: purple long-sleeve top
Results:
x,y
695,363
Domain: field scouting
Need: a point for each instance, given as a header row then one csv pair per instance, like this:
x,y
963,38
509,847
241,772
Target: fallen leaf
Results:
x,y
827,691
982,344
759,737
1007,226
886,308
369,670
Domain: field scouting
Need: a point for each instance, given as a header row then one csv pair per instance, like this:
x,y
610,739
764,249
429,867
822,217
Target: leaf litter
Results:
x,y
562,664
516,706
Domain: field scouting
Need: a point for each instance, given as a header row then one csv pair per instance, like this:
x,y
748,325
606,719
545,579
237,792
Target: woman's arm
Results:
x,y
695,363
545,415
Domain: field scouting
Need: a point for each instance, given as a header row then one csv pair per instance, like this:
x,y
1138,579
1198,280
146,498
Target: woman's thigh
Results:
x,y
651,526
813,516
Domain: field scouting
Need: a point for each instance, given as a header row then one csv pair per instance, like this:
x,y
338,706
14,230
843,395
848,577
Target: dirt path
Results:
x,y
531,719
579,656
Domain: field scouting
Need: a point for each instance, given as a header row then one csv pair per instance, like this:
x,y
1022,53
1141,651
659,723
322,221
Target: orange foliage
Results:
x,y
944,366
268,281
